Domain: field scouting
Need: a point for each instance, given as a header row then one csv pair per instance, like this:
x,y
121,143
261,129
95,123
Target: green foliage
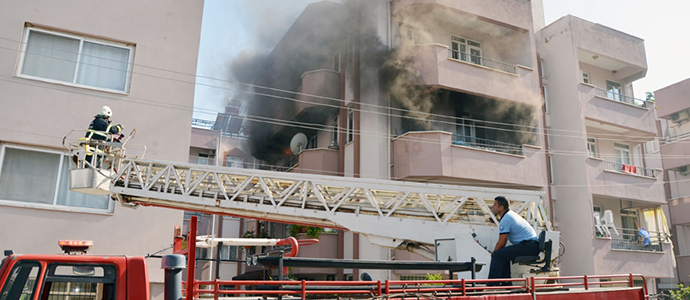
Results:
x,y
314,232
295,229
248,235
682,293
433,277
310,231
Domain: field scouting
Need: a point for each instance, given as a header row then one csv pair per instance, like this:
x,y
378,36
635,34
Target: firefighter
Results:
x,y
99,130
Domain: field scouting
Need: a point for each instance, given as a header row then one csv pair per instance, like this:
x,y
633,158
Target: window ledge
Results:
x,y
72,85
56,208
589,85
596,158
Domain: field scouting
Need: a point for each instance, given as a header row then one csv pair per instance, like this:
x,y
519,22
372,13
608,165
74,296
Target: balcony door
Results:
x,y
466,50
467,131
613,90
622,154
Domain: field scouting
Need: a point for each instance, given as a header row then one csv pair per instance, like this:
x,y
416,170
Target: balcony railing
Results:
x,y
488,145
629,169
616,96
211,161
482,61
632,240
676,138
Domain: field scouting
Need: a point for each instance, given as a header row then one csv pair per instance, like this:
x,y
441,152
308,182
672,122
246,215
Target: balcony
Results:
x,y
683,266
630,169
319,161
610,257
202,160
631,240
438,66
680,211
675,151
612,179
435,155
615,96
509,12
624,112
319,92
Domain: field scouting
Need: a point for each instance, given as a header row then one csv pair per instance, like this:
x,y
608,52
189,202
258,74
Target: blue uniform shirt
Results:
x,y
517,228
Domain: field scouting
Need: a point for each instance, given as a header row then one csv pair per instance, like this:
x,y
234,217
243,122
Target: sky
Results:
x,y
229,30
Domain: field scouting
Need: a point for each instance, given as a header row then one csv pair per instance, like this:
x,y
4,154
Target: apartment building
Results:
x,y
672,109
606,168
60,62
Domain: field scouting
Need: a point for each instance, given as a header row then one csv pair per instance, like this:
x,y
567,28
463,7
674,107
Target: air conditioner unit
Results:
x,y
684,170
680,117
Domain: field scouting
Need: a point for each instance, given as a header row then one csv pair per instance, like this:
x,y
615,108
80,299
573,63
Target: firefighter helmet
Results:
x,y
106,112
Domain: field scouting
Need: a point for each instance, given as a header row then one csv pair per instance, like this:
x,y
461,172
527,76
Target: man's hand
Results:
x,y
502,241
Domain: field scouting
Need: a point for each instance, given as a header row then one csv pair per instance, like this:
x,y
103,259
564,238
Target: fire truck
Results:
x,y
455,221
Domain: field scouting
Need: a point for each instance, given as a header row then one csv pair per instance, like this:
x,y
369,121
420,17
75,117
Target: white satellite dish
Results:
x,y
298,143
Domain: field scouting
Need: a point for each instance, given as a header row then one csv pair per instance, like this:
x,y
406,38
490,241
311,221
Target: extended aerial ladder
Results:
x,y
392,214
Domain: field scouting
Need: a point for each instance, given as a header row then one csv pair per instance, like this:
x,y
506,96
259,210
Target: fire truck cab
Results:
x,y
69,276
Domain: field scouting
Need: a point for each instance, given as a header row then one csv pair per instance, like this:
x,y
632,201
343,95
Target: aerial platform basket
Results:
x,y
90,181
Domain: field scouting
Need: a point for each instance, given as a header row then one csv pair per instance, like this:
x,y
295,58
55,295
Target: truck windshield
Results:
x,y
21,284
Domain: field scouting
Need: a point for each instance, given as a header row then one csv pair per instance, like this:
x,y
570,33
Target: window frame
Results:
x,y
622,148
105,279
350,125
469,57
611,93
25,43
19,264
54,205
592,148
585,78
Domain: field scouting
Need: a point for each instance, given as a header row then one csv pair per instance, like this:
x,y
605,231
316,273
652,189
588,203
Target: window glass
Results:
x,y
50,56
79,281
236,162
613,90
350,124
29,176
21,283
76,60
592,147
585,77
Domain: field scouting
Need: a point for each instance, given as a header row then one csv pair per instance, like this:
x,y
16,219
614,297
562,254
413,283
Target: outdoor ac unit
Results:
x,y
684,170
680,117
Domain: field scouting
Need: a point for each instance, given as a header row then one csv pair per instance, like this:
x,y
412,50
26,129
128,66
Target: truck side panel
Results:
x,y
137,279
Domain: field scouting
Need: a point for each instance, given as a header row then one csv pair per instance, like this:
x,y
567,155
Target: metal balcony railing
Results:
x,y
211,161
612,95
488,145
482,61
676,138
203,123
629,169
630,239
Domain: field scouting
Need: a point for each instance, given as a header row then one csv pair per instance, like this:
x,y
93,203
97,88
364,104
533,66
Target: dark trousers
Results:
x,y
501,258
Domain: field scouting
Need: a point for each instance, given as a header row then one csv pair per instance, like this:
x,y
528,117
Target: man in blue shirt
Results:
x,y
521,235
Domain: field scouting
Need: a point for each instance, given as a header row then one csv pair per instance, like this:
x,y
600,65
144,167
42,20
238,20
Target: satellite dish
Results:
x,y
298,143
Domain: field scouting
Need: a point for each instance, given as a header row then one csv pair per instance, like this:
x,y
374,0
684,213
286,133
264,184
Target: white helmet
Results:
x,y
106,112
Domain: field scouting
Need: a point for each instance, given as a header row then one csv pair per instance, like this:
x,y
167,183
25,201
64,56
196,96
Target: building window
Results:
x,y
585,77
334,136
546,99
234,162
228,252
466,50
41,179
613,90
350,124
76,60
203,159
336,62
313,142
550,169
592,147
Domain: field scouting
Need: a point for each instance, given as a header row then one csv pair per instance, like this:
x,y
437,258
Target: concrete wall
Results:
x,y
159,104
672,98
